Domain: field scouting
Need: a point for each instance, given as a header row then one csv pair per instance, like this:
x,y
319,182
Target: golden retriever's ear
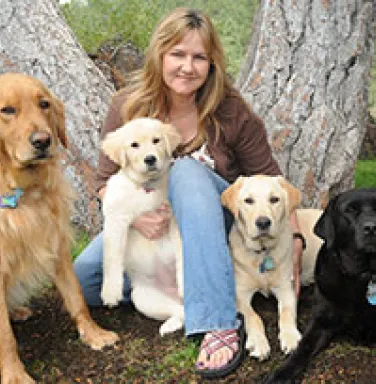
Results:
x,y
113,147
228,197
172,137
294,196
59,119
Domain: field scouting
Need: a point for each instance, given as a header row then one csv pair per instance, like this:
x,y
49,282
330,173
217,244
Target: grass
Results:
x,y
365,173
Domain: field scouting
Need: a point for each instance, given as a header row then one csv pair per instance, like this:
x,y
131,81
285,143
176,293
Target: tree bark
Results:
x,y
35,39
307,74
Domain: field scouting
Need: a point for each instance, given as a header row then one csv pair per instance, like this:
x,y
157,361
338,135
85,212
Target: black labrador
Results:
x,y
345,276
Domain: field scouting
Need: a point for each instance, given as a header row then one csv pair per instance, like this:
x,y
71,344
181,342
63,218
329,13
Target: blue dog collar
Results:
x,y
11,201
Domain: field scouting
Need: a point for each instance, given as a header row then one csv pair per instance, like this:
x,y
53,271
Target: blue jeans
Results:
x,y
209,286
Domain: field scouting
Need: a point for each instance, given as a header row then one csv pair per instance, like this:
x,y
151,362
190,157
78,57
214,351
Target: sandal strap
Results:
x,y
218,340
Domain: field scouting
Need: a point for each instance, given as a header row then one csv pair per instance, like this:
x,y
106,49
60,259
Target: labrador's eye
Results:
x,y
249,200
274,199
156,140
8,110
44,104
135,145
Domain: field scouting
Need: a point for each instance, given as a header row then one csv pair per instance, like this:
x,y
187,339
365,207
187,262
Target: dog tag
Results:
x,y
267,264
371,293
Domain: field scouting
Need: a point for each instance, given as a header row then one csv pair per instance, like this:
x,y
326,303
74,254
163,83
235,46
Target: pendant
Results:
x,y
267,264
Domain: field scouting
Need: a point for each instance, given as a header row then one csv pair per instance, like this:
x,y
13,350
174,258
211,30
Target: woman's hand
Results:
x,y
155,224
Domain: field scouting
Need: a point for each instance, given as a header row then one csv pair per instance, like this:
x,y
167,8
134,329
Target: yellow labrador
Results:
x,y
143,148
261,242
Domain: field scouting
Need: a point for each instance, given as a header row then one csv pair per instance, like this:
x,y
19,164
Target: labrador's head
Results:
x,y
348,227
261,206
31,122
143,146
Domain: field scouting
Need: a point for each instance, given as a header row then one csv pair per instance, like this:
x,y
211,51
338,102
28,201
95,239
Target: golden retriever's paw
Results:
x,y
258,346
97,338
171,325
111,296
289,339
21,314
11,375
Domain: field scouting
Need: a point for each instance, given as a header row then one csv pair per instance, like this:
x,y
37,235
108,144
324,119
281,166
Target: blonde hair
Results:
x,y
147,95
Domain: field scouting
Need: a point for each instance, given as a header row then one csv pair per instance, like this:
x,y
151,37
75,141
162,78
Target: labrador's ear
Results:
x,y
293,194
172,138
229,196
112,145
324,227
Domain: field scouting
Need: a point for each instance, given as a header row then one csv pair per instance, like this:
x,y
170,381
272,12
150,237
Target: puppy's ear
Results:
x,y
113,147
59,119
228,197
172,138
294,196
324,227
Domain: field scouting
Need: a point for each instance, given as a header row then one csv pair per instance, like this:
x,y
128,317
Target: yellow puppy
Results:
x,y
261,242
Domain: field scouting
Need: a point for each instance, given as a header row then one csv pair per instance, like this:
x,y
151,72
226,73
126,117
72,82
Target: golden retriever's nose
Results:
x,y
40,140
150,160
263,223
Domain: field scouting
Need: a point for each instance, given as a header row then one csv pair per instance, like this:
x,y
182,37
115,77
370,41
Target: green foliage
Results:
x,y
365,173
81,240
134,20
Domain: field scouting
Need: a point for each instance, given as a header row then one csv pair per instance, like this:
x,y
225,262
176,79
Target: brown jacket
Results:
x,y
241,149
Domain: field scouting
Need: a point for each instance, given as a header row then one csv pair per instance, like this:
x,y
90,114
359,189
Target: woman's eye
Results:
x,y
8,110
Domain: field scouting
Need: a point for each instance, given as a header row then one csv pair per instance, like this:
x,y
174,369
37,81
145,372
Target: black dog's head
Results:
x,y
348,225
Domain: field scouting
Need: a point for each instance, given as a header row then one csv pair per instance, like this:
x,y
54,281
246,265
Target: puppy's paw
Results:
x,y
258,346
289,339
111,295
171,325
15,373
96,337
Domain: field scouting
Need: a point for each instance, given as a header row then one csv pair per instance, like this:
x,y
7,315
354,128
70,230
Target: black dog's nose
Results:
x,y
40,140
150,160
369,228
263,223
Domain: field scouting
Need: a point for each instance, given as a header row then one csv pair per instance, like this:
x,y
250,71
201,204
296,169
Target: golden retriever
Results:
x,y
35,201
261,243
143,149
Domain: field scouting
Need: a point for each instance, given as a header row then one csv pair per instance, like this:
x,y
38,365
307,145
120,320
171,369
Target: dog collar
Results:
x,y
371,292
11,201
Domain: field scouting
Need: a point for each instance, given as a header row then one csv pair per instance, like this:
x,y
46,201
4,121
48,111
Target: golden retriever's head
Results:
x,y
31,121
142,146
261,206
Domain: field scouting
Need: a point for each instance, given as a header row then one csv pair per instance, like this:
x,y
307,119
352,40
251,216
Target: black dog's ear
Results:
x,y
324,227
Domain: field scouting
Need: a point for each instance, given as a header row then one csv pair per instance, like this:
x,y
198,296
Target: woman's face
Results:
x,y
186,65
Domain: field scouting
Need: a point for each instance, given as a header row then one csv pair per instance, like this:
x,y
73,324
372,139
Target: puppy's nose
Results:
x,y
40,140
263,223
369,228
150,160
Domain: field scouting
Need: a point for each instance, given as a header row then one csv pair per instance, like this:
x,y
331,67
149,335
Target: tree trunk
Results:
x,y
35,39
307,74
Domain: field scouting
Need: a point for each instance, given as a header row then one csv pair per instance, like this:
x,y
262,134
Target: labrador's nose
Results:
x,y
263,223
150,160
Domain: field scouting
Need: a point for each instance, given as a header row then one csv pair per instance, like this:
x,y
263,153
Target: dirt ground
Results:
x,y
50,348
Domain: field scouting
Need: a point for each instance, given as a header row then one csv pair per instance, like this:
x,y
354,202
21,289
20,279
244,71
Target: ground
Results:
x,y
50,348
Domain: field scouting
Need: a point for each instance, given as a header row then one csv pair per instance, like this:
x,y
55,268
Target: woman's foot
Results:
x,y
221,352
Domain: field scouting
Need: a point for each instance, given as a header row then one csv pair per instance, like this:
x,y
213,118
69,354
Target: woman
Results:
x,y
184,82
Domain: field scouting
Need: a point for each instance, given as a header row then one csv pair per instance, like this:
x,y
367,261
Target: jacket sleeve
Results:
x,y
252,149
113,120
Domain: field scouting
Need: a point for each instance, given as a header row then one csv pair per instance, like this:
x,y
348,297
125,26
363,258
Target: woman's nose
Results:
x,y
187,65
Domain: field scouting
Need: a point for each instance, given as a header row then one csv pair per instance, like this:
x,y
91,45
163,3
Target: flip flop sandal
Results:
x,y
219,340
